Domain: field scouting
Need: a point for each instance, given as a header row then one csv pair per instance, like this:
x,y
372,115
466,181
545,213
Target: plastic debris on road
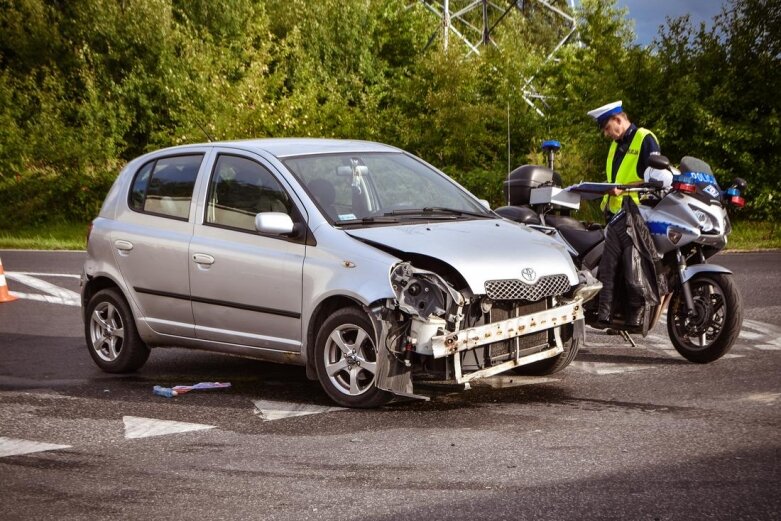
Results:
x,y
170,392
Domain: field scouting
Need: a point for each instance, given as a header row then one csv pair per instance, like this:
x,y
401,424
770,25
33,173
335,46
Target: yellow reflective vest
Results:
x,y
627,170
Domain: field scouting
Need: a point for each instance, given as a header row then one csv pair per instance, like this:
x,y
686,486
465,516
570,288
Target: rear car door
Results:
x,y
246,287
151,238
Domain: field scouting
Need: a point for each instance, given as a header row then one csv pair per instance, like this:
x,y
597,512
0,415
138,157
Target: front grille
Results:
x,y
505,349
514,289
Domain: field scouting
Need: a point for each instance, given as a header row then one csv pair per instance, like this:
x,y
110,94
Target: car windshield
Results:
x,y
378,188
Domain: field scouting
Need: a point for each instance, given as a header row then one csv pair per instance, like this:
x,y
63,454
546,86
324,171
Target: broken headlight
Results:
x,y
422,293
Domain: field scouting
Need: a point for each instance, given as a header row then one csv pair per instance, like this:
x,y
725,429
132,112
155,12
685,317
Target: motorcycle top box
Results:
x,y
519,183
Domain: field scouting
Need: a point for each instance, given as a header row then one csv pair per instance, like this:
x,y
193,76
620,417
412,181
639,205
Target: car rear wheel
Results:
x,y
346,360
111,334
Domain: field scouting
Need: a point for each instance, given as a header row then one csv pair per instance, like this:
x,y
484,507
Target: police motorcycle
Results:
x,y
685,212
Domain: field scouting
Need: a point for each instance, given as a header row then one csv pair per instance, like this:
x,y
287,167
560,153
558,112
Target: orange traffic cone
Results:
x,y
4,295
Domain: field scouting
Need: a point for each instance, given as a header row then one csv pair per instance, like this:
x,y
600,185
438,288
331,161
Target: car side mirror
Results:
x,y
274,223
485,203
658,162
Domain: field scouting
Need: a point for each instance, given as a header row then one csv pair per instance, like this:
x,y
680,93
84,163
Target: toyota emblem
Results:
x,y
528,274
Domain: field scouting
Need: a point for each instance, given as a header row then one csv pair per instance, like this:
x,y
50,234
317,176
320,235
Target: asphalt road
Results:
x,y
623,433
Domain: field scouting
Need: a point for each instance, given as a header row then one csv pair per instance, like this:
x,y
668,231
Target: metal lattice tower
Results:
x,y
458,18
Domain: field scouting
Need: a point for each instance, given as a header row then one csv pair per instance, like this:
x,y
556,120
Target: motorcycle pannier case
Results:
x,y
517,187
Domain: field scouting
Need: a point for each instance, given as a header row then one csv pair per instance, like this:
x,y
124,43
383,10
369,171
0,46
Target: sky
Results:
x,y
648,15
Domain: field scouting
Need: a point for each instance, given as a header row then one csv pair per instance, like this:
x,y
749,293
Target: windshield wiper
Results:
x,y
384,219
433,210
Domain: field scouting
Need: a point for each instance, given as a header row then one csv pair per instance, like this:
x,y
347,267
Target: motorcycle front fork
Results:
x,y
687,291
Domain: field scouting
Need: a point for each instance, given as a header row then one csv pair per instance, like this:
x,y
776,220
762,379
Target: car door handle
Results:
x,y
123,245
202,258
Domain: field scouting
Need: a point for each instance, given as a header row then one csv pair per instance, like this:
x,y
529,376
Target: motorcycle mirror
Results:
x,y
659,162
740,184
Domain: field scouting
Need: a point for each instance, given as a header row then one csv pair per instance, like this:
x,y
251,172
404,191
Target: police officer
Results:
x,y
627,158
626,163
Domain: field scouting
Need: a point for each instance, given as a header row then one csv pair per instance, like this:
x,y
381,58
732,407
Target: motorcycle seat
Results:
x,y
563,221
581,239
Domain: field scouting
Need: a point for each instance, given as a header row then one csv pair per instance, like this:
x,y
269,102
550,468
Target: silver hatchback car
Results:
x,y
357,260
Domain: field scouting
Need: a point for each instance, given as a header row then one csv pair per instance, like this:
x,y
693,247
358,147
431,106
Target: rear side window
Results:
x,y
165,186
240,189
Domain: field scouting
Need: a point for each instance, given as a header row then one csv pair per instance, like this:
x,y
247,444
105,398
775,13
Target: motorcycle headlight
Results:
x,y
704,220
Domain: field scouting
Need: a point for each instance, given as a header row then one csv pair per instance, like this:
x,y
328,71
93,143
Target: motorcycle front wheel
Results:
x,y
710,331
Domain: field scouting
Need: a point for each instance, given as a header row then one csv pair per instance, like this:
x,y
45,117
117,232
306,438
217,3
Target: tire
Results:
x,y
556,363
346,360
112,337
710,334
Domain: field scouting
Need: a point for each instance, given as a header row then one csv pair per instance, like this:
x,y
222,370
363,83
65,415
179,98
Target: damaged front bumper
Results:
x,y
444,345
429,323
395,376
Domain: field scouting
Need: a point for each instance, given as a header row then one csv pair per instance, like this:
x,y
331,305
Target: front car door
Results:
x,y
246,287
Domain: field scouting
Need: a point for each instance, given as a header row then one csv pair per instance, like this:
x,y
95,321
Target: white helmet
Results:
x,y
663,178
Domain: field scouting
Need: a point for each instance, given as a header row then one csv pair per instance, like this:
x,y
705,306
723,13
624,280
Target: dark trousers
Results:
x,y
619,259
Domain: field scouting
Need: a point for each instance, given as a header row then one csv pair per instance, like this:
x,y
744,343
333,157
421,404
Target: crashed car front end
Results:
x,y
432,332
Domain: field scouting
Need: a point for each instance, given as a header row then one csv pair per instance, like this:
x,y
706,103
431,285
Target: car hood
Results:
x,y
481,250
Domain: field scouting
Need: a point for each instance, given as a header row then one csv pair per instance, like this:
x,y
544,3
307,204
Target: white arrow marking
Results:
x,y
269,410
136,427
54,294
16,447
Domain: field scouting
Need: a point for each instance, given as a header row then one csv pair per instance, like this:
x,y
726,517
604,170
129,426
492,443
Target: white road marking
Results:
x,y
656,339
35,274
46,298
270,410
765,398
17,447
504,382
54,294
136,427
603,368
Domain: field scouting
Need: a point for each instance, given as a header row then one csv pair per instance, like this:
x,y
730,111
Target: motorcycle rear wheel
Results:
x,y
718,316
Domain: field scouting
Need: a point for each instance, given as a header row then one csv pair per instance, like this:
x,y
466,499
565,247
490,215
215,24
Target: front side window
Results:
x,y
240,189
165,186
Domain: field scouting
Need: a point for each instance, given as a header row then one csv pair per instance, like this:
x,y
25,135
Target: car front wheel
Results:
x,y
111,334
346,360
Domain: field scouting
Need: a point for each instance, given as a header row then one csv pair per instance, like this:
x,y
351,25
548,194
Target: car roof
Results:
x,y
287,147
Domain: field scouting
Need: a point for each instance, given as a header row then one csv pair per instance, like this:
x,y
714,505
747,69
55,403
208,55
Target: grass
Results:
x,y
746,235
55,236
754,235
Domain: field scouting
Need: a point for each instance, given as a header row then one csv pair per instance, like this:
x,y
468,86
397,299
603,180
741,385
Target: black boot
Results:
x,y
603,314
635,317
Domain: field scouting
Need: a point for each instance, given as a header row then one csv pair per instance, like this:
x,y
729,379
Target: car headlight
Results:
x,y
422,293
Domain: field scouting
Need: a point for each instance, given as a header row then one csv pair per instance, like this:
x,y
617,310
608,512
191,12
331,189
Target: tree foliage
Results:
x,y
86,85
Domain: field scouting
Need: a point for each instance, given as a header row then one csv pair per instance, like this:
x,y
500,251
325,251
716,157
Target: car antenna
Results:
x,y
208,137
